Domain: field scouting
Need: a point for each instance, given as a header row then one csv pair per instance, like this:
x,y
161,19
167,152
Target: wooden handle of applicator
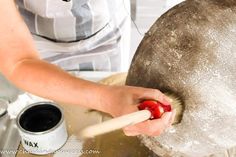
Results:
x,y
115,123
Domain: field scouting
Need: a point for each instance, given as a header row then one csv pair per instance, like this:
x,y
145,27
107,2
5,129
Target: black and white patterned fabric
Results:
x,y
80,34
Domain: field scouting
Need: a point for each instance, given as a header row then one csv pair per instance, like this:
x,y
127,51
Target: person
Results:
x,y
58,36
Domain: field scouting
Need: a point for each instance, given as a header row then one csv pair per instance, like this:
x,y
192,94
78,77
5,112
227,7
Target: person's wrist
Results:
x,y
109,95
105,96
115,102
96,96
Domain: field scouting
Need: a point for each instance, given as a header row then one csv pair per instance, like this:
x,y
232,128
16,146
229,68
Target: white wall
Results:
x,y
147,12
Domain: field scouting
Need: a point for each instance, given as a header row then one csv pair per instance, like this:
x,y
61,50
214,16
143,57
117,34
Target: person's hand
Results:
x,y
120,100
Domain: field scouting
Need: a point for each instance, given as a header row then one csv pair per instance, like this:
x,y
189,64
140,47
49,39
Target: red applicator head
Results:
x,y
155,107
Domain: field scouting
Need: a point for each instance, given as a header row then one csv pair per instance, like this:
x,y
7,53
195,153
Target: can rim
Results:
x,y
41,132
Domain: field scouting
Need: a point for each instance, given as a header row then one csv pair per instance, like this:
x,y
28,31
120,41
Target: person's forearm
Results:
x,y
46,80
20,63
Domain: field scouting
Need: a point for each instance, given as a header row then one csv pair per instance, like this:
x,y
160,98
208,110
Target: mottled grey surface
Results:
x,y
190,51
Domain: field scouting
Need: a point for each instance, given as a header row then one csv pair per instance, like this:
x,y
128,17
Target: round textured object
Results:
x,y
191,51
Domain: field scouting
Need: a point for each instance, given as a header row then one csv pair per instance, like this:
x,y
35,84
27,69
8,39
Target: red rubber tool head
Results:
x,y
156,108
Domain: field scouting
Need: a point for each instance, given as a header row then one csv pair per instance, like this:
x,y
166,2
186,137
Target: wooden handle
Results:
x,y
115,123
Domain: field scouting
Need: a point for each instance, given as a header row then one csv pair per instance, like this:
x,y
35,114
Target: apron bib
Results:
x,y
88,35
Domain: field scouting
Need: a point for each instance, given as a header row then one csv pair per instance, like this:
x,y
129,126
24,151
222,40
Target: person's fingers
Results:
x,y
172,117
150,127
164,100
130,133
155,95
150,93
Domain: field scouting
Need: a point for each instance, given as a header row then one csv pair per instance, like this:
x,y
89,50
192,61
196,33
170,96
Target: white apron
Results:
x,y
91,35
